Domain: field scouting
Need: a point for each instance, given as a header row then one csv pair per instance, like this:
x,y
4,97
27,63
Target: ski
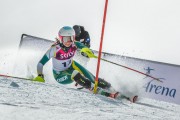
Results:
x,y
118,95
132,99
114,94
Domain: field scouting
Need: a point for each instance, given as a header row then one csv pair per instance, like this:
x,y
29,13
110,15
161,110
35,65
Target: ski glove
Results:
x,y
39,78
87,53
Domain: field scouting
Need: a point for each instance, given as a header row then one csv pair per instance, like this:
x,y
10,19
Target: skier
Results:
x,y
82,35
65,69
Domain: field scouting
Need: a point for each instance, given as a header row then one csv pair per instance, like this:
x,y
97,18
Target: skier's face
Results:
x,y
67,41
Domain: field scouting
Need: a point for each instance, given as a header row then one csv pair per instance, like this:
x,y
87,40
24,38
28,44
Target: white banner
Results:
x,y
168,90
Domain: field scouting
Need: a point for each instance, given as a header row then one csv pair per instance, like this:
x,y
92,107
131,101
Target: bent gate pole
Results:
x,y
7,76
100,47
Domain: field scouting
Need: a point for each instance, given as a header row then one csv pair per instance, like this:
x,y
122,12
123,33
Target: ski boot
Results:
x,y
115,95
107,94
111,95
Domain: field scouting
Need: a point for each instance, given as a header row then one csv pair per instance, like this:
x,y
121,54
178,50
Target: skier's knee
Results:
x,y
80,79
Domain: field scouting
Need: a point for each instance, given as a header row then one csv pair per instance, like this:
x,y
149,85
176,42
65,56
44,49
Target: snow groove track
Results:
x,y
32,100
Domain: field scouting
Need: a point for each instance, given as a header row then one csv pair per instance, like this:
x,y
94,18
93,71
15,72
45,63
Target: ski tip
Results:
x,y
134,99
116,94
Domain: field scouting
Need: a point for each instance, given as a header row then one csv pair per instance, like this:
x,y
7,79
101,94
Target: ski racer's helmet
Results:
x,y
77,29
66,35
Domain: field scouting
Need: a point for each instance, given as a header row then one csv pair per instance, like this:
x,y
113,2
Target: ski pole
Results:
x,y
131,69
7,76
90,54
93,56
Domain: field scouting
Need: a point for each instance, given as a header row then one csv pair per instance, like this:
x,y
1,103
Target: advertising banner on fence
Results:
x,y
168,90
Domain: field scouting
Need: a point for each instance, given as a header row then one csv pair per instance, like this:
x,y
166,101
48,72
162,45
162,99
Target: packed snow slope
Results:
x,y
27,100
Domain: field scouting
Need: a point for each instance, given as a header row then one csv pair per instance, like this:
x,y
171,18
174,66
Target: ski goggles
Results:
x,y
67,39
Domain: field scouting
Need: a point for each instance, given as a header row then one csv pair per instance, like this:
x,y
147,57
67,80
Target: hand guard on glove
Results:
x,y
87,53
39,78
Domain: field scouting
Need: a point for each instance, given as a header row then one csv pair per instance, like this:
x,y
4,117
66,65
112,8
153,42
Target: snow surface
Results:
x,y
27,100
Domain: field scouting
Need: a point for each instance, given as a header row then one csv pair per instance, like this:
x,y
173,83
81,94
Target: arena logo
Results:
x,y
161,90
